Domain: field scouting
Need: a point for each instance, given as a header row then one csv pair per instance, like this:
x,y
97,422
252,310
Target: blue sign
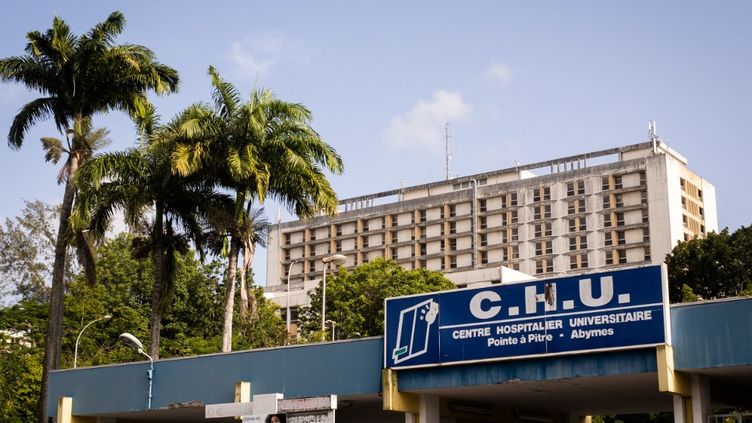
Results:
x,y
601,311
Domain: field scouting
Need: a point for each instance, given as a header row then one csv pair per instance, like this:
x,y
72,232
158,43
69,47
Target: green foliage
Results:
x,y
355,299
717,266
20,376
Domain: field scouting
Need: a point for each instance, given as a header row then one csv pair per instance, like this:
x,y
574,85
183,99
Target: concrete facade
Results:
x,y
623,206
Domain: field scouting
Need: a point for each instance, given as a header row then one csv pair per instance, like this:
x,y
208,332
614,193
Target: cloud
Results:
x,y
256,56
498,73
422,127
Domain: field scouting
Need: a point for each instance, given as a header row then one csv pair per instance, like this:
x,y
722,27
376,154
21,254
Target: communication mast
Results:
x,y
447,156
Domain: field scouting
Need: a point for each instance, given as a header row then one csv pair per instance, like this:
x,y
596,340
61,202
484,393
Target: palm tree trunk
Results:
x,y
230,299
157,258
54,336
247,260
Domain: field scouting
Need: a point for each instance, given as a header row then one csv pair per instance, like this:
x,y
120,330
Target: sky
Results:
x,y
519,82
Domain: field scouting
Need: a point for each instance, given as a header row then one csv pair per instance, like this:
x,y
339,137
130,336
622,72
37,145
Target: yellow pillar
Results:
x,y
393,399
65,412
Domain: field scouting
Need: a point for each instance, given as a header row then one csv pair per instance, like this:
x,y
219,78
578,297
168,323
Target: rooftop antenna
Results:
x,y
653,136
447,156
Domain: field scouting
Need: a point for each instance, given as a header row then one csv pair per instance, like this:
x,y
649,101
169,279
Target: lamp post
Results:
x,y
134,343
337,259
334,325
289,271
106,317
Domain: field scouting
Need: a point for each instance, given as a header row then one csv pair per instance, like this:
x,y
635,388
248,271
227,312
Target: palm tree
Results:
x,y
260,148
140,181
77,77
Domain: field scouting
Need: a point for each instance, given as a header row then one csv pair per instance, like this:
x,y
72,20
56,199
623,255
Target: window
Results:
x,y
549,247
483,223
395,254
538,248
504,220
607,239
609,257
570,189
647,254
702,211
607,220
312,266
365,242
537,212
483,240
699,193
287,255
684,220
452,245
547,212
645,216
423,216
622,256
339,230
536,195
684,203
339,246
441,212
514,216
581,206
682,183
583,242
571,206
572,262
547,229
606,201
483,257
515,253
395,238
482,205
423,249
619,200
547,193
515,234
617,182
643,197
572,225
513,199
539,266
452,210
572,244
442,245
538,231
453,263
643,178
503,201
287,238
580,187
604,183
621,238
453,227
583,261
645,234
619,219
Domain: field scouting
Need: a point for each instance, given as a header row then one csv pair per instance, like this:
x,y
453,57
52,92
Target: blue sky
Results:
x,y
520,81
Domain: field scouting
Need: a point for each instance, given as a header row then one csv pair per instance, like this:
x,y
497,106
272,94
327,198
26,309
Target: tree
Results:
x,y
27,243
716,266
137,181
355,299
77,76
260,148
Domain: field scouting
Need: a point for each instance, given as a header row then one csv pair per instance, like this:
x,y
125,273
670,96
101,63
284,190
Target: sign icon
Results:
x,y
413,330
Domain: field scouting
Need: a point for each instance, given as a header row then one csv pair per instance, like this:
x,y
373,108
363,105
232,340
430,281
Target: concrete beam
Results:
x,y
393,399
670,380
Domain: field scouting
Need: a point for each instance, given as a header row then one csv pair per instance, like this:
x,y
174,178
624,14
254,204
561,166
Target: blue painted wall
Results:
x,y
712,334
342,368
705,335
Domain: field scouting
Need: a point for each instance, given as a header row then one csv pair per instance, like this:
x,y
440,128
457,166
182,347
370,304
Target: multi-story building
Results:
x,y
622,206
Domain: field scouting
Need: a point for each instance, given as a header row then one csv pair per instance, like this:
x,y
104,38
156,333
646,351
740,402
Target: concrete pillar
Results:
x,y
410,418
700,398
682,409
429,409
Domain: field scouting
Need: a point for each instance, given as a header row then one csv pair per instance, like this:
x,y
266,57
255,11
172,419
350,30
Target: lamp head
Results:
x,y
131,341
106,317
337,259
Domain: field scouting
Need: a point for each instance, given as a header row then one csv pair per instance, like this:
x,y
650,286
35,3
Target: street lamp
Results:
x,y
339,260
289,271
106,317
334,325
134,343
